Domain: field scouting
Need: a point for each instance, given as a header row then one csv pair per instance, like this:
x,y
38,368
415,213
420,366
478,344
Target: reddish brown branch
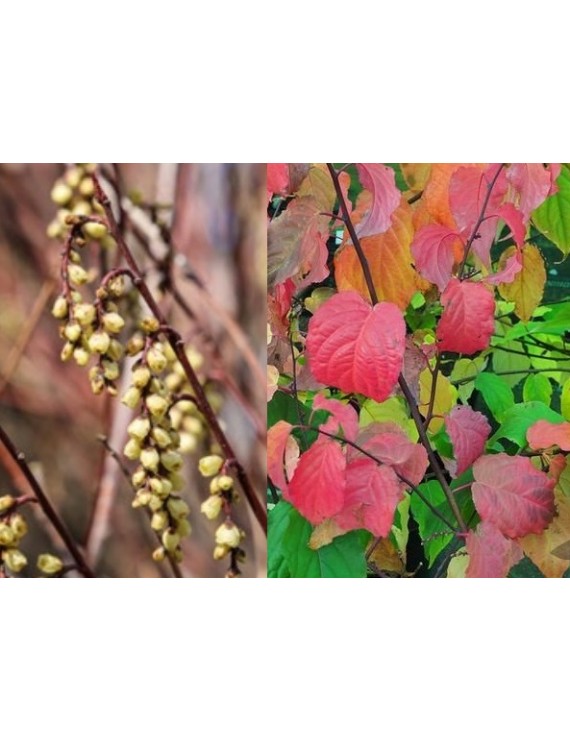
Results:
x,y
414,411
178,346
46,505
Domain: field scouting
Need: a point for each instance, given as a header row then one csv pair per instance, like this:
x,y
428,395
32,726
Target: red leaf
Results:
x,y
282,454
468,431
372,495
390,444
467,322
544,434
511,493
513,218
533,184
317,488
343,419
467,193
357,348
381,182
432,250
513,265
492,555
277,178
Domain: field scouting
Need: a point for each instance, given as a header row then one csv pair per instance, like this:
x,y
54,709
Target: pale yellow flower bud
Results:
x,y
150,459
141,376
116,286
7,535
135,345
132,450
6,502
77,275
72,332
73,176
225,483
139,428
132,397
161,437
188,443
139,477
49,564
156,359
156,405
159,555
212,507
177,508
220,551
228,535
67,352
60,308
149,324
159,520
210,465
183,528
61,194
87,187
81,356
84,314
113,322
19,526
14,560
94,230
171,460
170,540
155,503
99,342
115,351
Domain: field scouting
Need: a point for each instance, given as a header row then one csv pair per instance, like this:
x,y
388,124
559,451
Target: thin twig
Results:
x,y
479,221
46,505
403,479
125,471
26,332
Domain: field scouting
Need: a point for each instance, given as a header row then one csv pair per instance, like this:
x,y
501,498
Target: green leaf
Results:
x,y
565,400
525,569
466,368
519,418
553,216
278,518
392,410
344,557
537,388
496,392
283,406
434,533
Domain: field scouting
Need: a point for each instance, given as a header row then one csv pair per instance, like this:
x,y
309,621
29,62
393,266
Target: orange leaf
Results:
x,y
436,194
539,548
390,261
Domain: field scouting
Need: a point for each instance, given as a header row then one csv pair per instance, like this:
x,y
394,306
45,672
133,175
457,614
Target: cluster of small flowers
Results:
x,y
13,527
156,444
74,194
228,536
91,329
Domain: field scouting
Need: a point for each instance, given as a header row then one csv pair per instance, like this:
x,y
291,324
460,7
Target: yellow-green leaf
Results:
x,y
528,286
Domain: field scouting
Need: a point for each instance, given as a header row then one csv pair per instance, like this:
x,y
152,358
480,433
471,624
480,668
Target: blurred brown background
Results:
x,y
218,230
